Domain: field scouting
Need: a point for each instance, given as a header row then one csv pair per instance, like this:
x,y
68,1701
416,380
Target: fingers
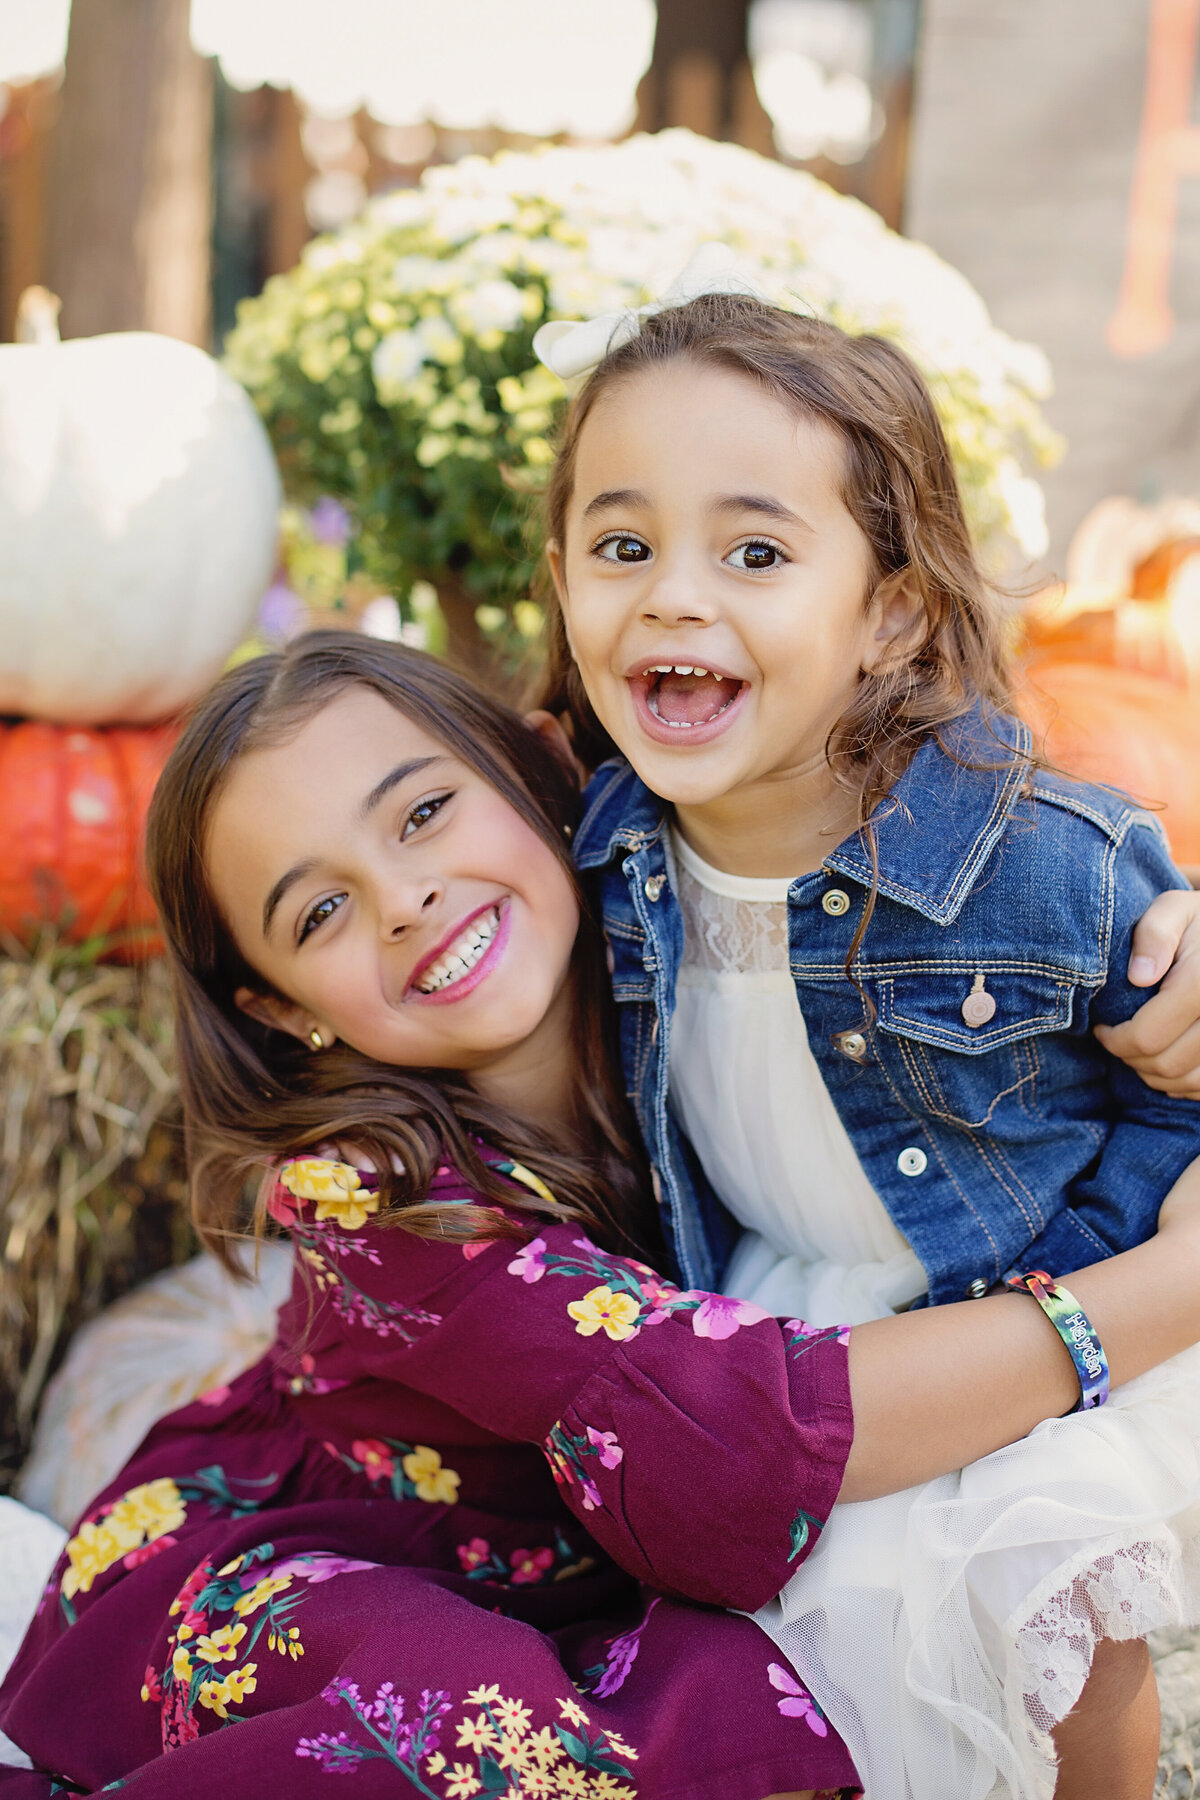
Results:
x,y
1158,935
1163,1047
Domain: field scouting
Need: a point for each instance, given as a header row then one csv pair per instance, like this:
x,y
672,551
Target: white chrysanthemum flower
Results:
x,y
489,306
397,358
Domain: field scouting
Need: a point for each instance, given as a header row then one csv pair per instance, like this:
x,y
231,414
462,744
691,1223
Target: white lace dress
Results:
x,y
947,1629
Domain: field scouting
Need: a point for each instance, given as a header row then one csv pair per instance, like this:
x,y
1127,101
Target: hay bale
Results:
x,y
92,1183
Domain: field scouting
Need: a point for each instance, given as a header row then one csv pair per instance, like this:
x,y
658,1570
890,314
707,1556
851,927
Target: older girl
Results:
x,y
357,1554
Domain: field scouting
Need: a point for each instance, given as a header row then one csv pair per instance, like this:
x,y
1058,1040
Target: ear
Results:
x,y
896,621
558,575
550,730
283,1015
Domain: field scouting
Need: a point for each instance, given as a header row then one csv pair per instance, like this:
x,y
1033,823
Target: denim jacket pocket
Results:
x,y
960,1060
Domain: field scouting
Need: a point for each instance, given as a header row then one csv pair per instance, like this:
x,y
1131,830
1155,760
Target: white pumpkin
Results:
x,y
138,512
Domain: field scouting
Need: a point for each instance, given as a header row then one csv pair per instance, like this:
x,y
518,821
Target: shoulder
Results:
x,y
619,813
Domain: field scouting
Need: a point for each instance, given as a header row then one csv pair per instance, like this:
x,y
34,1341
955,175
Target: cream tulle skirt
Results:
x,y
946,1630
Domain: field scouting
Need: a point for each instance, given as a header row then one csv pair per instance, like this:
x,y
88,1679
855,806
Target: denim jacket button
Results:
x,y
654,886
835,903
977,1289
852,1044
912,1161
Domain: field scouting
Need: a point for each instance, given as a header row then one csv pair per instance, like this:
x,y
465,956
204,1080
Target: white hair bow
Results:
x,y
573,348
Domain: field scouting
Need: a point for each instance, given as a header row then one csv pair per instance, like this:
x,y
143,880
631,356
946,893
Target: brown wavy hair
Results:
x,y
898,484
253,1095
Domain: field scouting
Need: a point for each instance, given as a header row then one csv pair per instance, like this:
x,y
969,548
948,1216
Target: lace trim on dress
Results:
x,y
728,935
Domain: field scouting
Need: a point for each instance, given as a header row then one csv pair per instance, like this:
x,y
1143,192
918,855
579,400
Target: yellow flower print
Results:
x,y
219,1696
538,1783
513,1754
545,1747
572,1782
154,1508
620,1748
435,1764
423,1467
477,1735
482,1696
462,1782
605,1788
220,1645
260,1593
95,1547
514,1717
181,1665
287,1642
573,1713
335,1186
534,1182
616,1314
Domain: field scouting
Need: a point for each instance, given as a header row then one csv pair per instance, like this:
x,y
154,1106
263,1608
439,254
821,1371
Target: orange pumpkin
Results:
x,y
72,813
1126,729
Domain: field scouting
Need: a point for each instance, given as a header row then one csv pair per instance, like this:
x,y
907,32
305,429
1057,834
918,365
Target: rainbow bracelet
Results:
x,y
1076,1331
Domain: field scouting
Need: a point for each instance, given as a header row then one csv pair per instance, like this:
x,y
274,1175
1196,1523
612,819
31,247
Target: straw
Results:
x,y
92,1182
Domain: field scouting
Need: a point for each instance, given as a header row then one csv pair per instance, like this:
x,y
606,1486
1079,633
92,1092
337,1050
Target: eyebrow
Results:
x,y
763,504
380,791
393,778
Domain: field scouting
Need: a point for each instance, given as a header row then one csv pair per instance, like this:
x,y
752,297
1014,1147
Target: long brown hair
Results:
x,y
898,484
252,1095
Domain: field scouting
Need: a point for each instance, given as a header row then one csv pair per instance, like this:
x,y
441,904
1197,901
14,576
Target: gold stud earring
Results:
x,y
316,1040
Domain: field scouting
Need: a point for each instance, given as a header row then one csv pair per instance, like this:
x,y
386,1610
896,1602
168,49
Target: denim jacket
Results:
x,y
996,1131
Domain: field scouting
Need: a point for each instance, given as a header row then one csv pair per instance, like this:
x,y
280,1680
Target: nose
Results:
x,y
403,904
678,596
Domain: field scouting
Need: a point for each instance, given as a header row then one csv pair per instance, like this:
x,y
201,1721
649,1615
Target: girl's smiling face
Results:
x,y
393,896
715,588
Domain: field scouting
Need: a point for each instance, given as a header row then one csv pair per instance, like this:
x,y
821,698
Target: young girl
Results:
x,y
860,938
357,1553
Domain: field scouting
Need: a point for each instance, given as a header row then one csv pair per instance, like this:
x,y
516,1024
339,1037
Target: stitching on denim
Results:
x,y
1013,1186
944,1112
947,1171
1061,973
1081,809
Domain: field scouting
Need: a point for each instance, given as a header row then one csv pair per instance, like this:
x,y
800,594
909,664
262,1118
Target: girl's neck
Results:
x,y
784,825
535,1079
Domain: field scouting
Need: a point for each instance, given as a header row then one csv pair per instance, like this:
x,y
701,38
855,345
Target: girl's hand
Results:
x,y
1162,1039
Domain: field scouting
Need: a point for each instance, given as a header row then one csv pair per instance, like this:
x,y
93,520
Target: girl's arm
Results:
x,y
940,1387
700,1441
1152,1137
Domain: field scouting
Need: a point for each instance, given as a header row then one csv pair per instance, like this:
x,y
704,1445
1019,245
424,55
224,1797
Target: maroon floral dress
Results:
x,y
468,1529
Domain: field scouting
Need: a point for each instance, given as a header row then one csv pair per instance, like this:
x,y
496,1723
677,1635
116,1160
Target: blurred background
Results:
x,y
159,159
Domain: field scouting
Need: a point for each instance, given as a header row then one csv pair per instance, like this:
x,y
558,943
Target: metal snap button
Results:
x,y
654,886
835,903
979,1006
976,1289
852,1044
912,1161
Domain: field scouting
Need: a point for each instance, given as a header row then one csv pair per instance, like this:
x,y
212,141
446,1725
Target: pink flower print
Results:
x,y
606,1443
377,1460
530,1261
528,1565
214,1397
474,1554
591,1494
471,1251
799,1704
145,1551
281,1205
720,1315
314,1567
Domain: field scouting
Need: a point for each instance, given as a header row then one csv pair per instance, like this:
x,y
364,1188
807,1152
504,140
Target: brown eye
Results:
x,y
757,556
625,549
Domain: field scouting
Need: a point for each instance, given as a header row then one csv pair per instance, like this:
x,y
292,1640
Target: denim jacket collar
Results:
x,y
934,832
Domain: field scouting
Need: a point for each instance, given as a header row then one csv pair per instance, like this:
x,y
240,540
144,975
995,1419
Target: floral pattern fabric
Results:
x,y
438,1543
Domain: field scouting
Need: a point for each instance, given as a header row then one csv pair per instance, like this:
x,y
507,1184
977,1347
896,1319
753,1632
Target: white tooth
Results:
x,y
700,672
683,669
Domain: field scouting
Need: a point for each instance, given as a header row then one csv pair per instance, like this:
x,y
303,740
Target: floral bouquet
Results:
x,y
394,367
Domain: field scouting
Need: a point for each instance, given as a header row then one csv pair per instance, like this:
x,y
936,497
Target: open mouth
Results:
x,y
462,955
683,696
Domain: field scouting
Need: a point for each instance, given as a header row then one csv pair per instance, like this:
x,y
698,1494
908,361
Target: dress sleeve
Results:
x,y
701,1441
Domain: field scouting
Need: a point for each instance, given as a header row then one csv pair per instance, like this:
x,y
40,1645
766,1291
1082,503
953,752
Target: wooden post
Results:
x,y
699,75
129,213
